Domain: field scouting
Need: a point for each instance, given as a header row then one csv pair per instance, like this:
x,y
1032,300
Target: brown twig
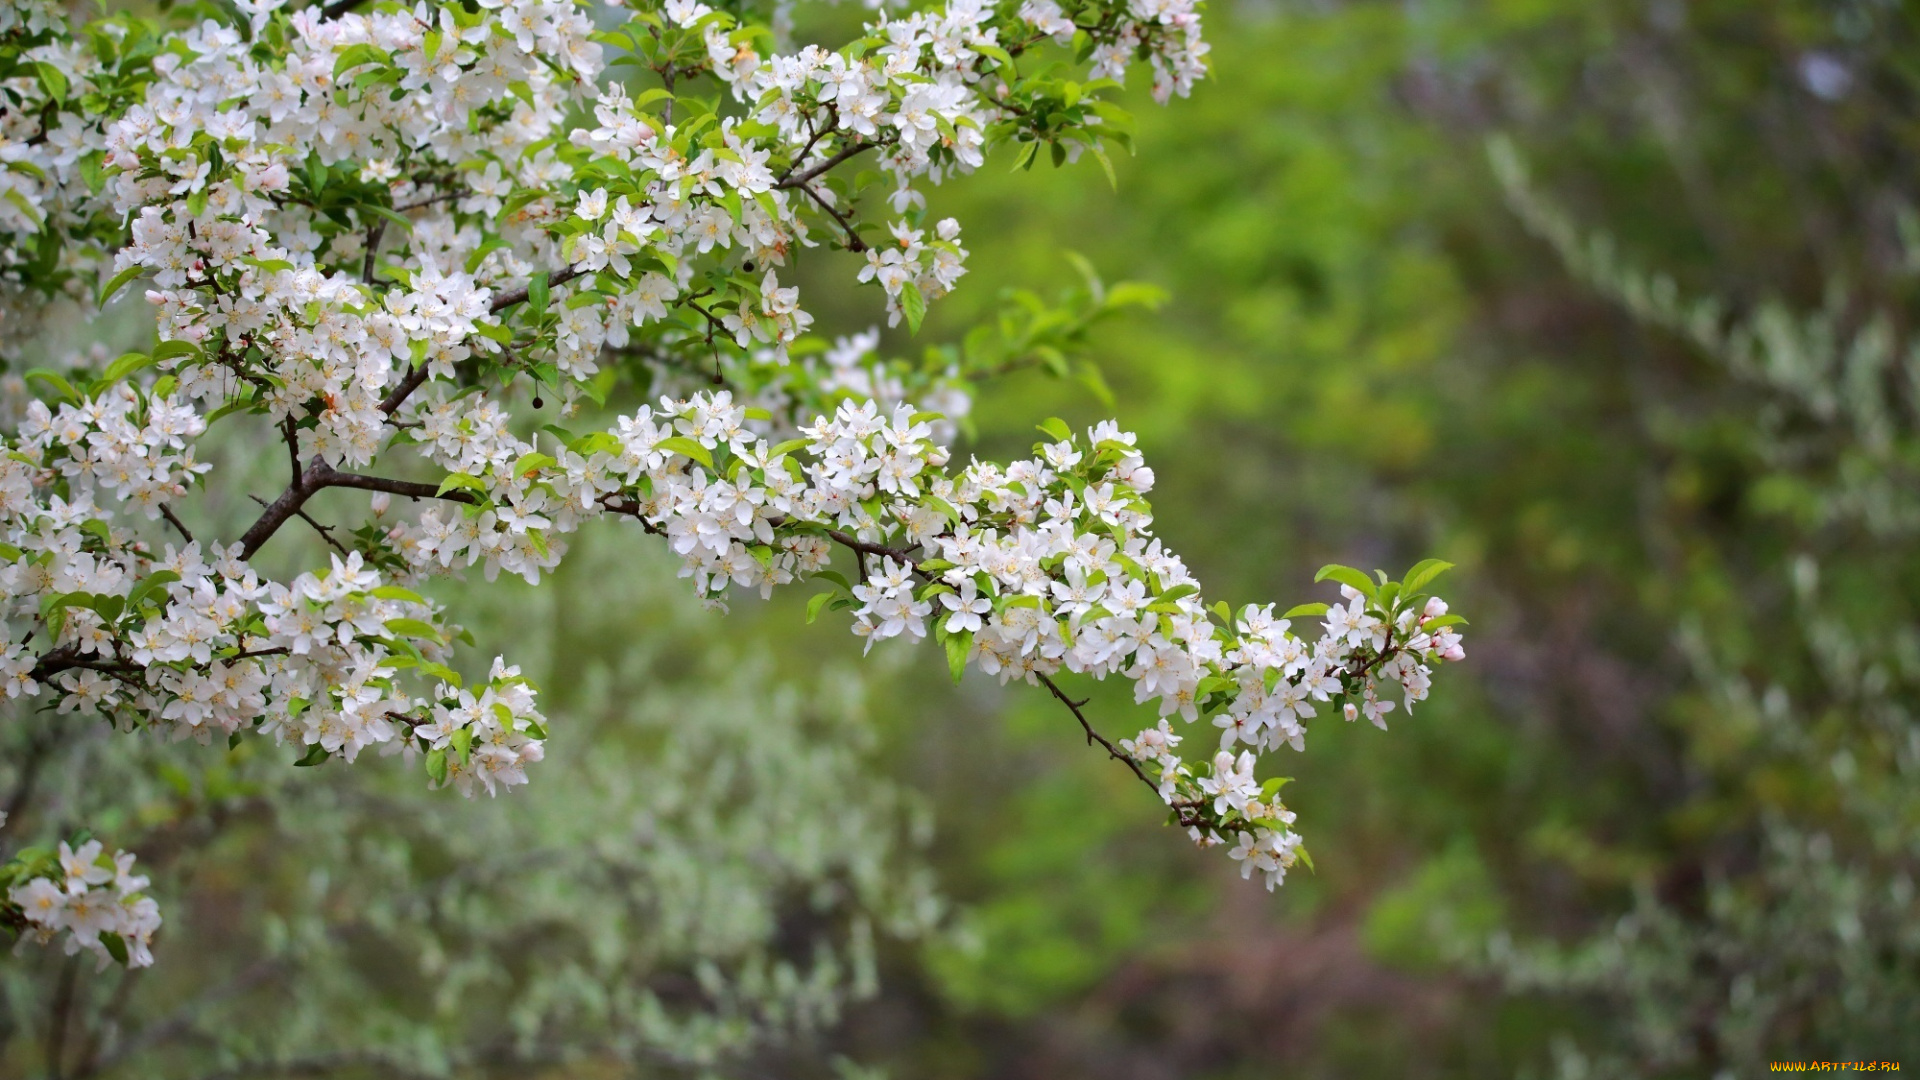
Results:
x,y
167,512
375,233
1094,736
803,178
854,243
319,476
325,531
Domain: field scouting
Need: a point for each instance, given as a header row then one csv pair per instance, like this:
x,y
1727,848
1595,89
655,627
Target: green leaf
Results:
x,y
490,245
56,382
1100,155
395,592
437,766
1177,593
125,366
116,945
405,223
538,293
958,646
814,605
914,305
56,84
1347,575
1302,611
413,628
531,461
462,743
167,350
461,480
1058,429
236,405
686,447
1424,571
355,55
53,610
109,607
315,755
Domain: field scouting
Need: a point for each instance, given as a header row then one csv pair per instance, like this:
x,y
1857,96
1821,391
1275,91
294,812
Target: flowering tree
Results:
x,y
375,232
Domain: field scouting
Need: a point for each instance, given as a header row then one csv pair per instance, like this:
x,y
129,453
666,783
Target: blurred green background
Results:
x,y
1610,303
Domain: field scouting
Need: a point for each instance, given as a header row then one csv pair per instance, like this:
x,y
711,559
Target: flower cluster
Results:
x,y
1024,570
115,445
377,232
96,900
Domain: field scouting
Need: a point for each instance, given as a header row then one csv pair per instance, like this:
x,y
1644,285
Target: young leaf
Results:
x,y
1347,575
538,293
686,447
1424,571
125,366
914,305
413,628
958,646
814,605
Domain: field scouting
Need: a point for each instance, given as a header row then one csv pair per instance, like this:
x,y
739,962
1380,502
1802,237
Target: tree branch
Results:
x,y
855,543
325,531
304,484
1094,736
167,512
507,299
375,233
444,196
409,488
319,476
801,179
67,657
854,243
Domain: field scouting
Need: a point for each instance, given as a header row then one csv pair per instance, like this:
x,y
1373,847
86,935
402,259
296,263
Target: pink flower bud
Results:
x,y
1436,607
